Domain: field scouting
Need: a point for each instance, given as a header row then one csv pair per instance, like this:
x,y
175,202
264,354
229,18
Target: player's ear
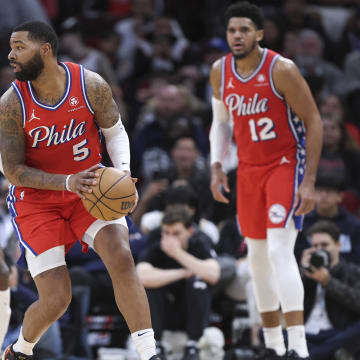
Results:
x,y
45,50
259,35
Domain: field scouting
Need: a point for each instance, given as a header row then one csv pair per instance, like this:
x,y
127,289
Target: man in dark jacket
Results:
x,y
332,292
329,189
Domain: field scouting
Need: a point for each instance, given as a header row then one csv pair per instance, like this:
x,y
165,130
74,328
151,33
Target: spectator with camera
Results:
x,y
332,292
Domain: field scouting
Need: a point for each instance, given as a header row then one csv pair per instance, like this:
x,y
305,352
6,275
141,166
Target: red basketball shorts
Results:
x,y
266,195
44,219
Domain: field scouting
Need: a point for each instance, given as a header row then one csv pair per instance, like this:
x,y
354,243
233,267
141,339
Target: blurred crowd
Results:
x,y
157,55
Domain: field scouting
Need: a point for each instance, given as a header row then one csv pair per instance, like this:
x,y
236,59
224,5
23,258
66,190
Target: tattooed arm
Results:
x,y
101,100
108,118
12,144
12,147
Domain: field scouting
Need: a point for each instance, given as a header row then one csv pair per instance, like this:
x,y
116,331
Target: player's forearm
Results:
x,y
314,140
207,270
220,139
22,175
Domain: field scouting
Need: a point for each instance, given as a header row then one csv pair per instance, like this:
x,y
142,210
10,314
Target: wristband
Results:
x,y
67,183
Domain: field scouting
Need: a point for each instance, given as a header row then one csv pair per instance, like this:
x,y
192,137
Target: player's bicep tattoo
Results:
x,y
101,100
12,139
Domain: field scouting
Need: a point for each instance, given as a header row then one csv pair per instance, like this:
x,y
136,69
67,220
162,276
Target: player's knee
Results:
x,y
57,303
4,276
122,258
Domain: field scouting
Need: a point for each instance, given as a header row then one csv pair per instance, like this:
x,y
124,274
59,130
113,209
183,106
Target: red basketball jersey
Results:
x,y
63,138
265,128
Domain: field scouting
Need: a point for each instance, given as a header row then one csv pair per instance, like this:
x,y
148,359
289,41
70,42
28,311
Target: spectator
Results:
x,y
329,189
312,64
332,290
178,273
341,153
168,116
180,193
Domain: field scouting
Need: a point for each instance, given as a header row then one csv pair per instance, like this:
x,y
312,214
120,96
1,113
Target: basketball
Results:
x,y
113,196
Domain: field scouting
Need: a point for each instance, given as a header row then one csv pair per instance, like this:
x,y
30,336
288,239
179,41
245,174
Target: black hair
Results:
x,y
330,179
182,194
246,10
41,32
325,226
178,214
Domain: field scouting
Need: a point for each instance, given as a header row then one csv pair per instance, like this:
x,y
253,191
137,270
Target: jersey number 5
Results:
x,y
262,129
80,151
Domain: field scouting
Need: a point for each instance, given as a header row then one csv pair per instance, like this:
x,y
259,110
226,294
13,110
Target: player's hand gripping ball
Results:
x,y
113,196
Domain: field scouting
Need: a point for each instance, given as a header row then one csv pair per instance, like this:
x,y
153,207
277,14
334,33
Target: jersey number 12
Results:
x,y
262,129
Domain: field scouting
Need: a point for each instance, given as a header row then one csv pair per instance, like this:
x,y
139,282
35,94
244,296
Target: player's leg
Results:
x,y
111,242
281,235
54,289
266,294
281,244
251,206
5,310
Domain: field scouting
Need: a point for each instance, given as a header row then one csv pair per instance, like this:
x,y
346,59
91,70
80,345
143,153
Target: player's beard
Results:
x,y
31,69
246,52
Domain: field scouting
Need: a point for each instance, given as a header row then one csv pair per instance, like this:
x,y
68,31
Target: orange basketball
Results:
x,y
112,197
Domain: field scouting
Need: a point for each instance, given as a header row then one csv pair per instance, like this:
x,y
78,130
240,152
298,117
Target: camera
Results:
x,y
320,258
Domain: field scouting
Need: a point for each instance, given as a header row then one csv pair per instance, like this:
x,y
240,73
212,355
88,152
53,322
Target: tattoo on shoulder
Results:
x,y
101,100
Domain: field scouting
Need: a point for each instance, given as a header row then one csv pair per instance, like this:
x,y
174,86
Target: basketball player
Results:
x,y
50,145
262,99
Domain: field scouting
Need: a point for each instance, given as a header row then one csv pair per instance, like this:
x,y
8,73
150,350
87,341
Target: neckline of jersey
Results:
x,y
64,97
254,73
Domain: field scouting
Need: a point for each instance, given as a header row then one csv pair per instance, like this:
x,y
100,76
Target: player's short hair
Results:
x,y
41,32
326,227
178,214
247,10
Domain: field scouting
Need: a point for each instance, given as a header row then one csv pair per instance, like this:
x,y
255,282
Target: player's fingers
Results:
x,y
93,168
226,184
79,194
302,208
218,196
134,180
297,201
306,206
90,182
84,188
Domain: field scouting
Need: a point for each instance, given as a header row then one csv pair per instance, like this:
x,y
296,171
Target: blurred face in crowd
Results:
x,y
185,153
24,57
332,105
327,201
325,242
178,231
170,102
310,44
242,36
332,133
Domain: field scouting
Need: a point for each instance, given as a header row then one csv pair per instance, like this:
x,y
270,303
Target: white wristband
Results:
x,y
67,183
